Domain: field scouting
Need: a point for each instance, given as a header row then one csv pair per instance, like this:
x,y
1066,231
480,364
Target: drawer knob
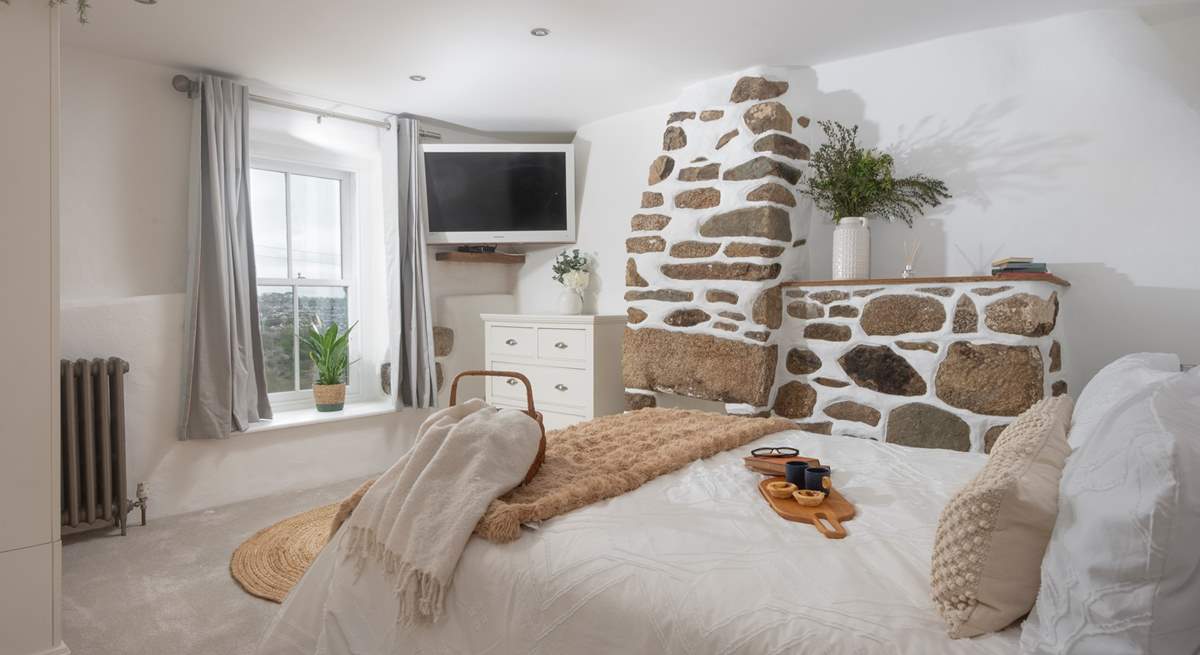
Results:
x,y
560,387
510,342
560,345
512,382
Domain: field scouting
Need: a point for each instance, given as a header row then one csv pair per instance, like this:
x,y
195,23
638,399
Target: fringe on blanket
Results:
x,y
421,596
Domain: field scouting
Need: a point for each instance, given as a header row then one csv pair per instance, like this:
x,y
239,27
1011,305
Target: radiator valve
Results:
x,y
143,499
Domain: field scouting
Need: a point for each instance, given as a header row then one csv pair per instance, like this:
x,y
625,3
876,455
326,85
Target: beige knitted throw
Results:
x,y
606,457
418,516
609,456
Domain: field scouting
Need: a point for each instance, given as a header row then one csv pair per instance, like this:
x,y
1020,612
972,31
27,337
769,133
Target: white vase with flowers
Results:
x,y
571,271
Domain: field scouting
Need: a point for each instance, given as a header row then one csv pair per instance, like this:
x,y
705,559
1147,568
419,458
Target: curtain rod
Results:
x,y
185,84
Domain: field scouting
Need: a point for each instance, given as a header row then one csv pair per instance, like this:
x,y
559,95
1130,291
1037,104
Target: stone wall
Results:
x,y
716,310
443,344
720,228
942,365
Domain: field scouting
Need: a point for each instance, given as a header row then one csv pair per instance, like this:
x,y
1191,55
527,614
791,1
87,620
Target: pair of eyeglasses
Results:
x,y
775,451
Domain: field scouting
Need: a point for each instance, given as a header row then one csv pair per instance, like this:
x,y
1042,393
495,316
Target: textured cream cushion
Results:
x,y
987,554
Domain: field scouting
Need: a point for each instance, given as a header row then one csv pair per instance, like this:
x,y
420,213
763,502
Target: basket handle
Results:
x,y
499,374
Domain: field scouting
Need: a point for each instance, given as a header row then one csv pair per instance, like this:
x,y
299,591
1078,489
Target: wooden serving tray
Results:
x,y
775,465
826,517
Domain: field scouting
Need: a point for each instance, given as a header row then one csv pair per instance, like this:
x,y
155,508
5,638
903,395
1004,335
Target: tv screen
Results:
x,y
497,192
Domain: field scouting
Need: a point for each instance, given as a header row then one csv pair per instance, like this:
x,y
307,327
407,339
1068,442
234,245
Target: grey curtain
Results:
x,y
408,278
224,386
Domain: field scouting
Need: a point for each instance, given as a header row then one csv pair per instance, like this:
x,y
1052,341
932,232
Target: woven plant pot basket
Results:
x,y
329,397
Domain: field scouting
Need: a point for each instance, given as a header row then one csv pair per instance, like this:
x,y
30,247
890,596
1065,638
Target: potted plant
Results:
x,y
853,184
329,350
571,271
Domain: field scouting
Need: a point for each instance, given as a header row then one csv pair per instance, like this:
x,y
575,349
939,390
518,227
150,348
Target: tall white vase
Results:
x,y
570,302
852,249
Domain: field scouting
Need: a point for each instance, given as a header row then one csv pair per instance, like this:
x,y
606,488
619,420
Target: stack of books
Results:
x,y
1017,265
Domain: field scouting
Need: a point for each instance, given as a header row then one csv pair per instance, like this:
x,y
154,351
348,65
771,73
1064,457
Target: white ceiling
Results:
x,y
484,69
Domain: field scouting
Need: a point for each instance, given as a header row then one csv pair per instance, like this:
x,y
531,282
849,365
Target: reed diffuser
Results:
x,y
910,258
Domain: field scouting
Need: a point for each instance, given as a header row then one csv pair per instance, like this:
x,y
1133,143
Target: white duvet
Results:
x,y
694,563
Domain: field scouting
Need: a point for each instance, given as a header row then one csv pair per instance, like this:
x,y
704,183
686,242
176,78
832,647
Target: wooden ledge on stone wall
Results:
x,y
480,257
969,279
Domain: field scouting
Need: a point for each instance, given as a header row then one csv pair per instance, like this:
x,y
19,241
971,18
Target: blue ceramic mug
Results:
x,y
794,472
818,478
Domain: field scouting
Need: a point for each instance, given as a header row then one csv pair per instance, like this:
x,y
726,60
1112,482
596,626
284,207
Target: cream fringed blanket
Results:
x,y
418,516
612,455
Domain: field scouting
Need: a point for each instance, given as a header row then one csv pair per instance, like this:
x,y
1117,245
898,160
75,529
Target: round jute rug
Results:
x,y
271,562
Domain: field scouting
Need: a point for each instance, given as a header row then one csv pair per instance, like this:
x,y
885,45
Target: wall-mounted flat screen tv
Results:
x,y
500,193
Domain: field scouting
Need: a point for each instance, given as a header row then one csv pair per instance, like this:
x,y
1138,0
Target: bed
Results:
x,y
692,562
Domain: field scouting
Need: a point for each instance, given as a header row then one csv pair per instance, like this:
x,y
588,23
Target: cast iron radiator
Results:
x,y
93,446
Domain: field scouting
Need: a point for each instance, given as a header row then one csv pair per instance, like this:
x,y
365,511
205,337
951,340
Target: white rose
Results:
x,y
576,280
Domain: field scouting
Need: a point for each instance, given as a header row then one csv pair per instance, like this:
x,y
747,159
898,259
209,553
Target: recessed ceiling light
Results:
x,y
417,78
539,31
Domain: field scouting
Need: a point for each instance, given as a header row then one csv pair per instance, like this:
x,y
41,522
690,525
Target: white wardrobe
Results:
x,y
30,550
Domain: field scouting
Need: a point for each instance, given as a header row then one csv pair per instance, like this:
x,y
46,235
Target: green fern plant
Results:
x,y
329,350
849,180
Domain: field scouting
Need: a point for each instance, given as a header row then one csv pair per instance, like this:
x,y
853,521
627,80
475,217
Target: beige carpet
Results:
x,y
166,587
271,562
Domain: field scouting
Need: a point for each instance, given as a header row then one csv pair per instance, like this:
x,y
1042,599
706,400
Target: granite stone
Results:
x,y
896,314
993,379
848,410
880,369
924,426
802,361
795,400
721,271
698,365
827,332
757,88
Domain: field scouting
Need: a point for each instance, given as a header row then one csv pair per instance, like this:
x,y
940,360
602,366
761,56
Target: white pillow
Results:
x,y
1122,572
1119,380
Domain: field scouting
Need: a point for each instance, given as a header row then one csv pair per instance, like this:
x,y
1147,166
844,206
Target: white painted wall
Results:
x,y
1073,140
1177,25
124,178
1070,140
124,198
612,158
30,550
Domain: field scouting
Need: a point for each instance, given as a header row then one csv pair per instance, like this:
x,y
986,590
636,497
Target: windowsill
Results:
x,y
310,416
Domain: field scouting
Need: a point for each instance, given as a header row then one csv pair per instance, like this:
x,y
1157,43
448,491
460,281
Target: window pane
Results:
x,y
330,304
316,227
278,334
268,214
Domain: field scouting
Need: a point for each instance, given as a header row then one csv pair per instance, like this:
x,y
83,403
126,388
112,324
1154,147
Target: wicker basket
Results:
x,y
531,411
329,397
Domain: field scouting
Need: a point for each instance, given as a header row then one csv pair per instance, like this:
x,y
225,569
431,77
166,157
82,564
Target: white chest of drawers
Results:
x,y
573,363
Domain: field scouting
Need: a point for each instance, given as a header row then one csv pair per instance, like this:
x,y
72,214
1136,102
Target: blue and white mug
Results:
x,y
818,478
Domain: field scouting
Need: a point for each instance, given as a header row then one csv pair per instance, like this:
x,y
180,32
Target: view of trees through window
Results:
x,y
298,229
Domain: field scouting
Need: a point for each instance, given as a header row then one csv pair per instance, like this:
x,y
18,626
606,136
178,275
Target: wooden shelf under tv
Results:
x,y
480,257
